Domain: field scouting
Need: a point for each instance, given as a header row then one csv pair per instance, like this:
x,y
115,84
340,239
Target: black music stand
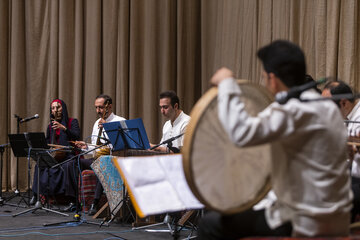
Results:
x,y
17,192
33,145
128,134
18,143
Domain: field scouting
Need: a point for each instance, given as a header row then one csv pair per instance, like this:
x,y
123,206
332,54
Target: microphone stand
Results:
x,y
37,155
169,143
335,97
17,192
349,121
77,216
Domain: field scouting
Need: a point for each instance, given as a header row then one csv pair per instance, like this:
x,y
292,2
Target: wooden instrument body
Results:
x,y
59,155
224,177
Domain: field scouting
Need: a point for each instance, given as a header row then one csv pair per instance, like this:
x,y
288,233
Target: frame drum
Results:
x,y
224,177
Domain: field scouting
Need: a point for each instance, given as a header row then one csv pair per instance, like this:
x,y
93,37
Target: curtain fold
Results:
x,y
134,49
4,83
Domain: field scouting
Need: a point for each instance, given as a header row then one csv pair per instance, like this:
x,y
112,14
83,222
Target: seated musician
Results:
x,y
176,124
350,110
103,107
311,180
60,131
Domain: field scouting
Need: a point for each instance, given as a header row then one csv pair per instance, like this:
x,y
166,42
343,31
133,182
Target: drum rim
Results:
x,y
196,114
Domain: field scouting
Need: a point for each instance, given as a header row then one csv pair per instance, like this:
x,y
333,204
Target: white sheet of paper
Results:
x,y
158,183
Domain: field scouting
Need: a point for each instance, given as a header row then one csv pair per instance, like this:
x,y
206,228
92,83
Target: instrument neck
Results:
x,y
105,112
98,142
53,136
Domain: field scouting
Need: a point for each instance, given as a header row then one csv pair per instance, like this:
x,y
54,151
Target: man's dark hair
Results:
x,y
106,97
173,97
336,86
286,60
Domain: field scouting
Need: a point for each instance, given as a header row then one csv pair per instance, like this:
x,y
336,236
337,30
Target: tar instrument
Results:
x,y
103,150
354,141
58,155
59,152
353,146
224,177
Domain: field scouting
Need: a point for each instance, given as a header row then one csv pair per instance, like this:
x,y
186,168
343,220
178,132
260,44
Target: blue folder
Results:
x,y
127,134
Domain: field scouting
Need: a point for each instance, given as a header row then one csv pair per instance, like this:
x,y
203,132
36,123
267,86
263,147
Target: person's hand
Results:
x,y
80,144
56,125
220,75
100,124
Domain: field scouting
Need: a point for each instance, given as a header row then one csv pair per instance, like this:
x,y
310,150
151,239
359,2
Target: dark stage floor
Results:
x,y
31,226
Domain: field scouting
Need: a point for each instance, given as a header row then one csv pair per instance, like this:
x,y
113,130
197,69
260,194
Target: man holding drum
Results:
x,y
311,181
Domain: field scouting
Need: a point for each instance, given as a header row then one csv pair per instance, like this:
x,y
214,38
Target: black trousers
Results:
x,y
248,223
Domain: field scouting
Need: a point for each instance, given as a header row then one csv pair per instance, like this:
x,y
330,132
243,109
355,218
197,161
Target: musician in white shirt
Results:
x,y
311,181
350,110
177,122
103,106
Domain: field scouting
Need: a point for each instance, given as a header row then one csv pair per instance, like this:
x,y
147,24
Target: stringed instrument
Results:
x,y
103,150
353,146
352,140
57,155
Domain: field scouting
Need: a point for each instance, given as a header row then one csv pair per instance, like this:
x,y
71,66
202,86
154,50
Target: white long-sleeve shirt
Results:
x,y
311,179
176,128
354,130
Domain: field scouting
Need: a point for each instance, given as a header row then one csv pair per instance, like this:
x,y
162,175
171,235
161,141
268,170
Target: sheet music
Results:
x,y
157,183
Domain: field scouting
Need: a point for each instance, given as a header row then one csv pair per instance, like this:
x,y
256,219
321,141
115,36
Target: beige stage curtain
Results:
x,y
134,49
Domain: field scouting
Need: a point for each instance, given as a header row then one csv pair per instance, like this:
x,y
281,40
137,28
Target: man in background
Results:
x,y
176,123
103,107
350,110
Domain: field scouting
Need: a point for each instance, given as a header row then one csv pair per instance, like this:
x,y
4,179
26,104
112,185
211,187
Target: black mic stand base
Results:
x,y
77,219
38,206
22,199
167,222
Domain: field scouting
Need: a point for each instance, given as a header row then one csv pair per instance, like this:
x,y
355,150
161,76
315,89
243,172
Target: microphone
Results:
x,y
171,139
167,141
29,118
294,92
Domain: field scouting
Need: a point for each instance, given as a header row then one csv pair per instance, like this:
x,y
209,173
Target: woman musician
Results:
x,y
60,131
